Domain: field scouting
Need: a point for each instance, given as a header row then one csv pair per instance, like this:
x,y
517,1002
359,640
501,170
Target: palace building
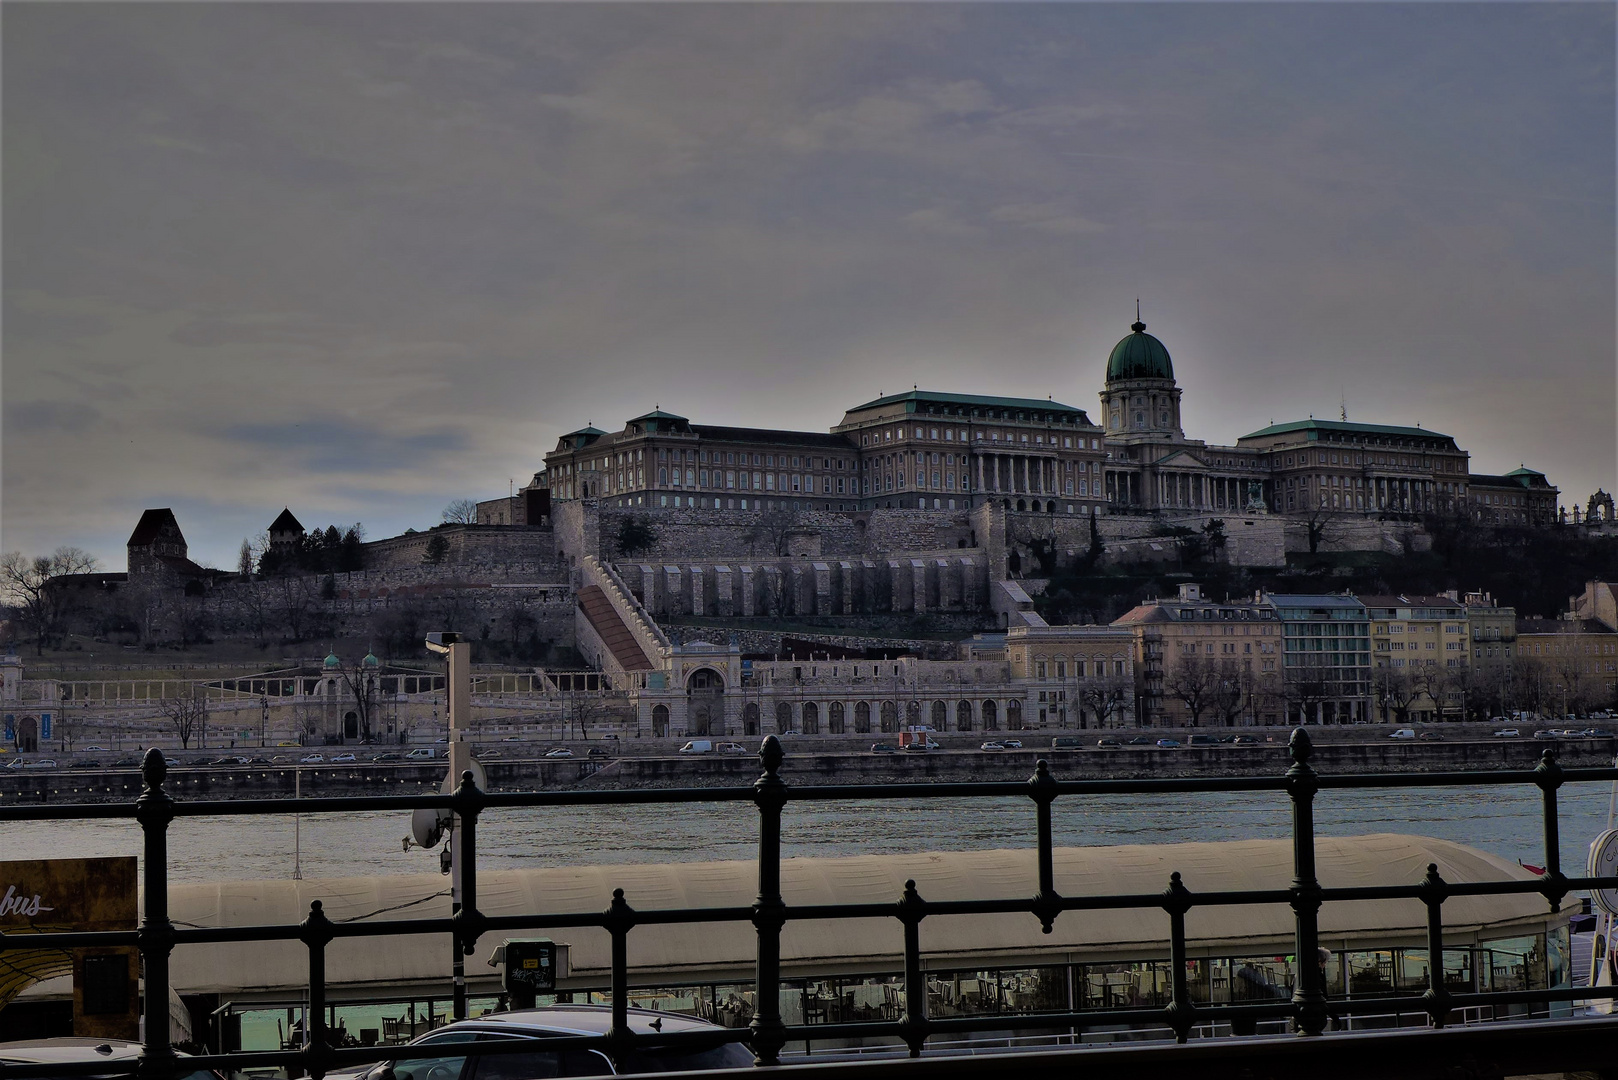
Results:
x,y
928,450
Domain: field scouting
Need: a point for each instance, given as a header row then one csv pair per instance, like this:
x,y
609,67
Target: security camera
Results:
x,y
439,642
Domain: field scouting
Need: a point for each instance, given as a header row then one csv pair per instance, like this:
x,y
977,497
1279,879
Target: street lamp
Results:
x,y
458,657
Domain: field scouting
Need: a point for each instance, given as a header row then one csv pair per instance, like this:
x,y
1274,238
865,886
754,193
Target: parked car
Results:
x,y
108,749
40,763
596,751
385,757
991,746
344,759
692,1052
922,745
1107,742
512,738
15,763
1508,733
1430,736
230,759
1011,744
729,748
1598,733
1169,744
85,763
883,748
695,746
421,753
559,752
127,763
1244,740
47,1059
1403,733
1544,734
1140,740
489,755
312,759
1067,742
1203,740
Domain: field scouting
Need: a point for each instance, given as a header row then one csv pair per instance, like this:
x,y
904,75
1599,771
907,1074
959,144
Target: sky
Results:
x,y
363,259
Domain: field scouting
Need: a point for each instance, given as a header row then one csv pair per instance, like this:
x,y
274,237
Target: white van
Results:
x,y
698,746
1403,733
424,753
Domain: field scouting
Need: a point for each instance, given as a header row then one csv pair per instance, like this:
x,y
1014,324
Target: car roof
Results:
x,y
68,1048
583,1020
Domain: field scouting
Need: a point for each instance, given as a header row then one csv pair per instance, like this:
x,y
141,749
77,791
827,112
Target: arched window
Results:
x,y
940,716
834,718
811,718
991,717
660,721
750,718
890,717
963,716
1013,715
783,716
862,717
913,713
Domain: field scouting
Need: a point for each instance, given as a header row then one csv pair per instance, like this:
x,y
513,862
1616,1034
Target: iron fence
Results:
x,y
1544,1045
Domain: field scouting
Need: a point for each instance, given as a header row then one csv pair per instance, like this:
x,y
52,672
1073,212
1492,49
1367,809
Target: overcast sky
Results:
x,y
363,259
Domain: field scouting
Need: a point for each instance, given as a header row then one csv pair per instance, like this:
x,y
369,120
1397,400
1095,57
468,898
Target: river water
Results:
x,y
1505,822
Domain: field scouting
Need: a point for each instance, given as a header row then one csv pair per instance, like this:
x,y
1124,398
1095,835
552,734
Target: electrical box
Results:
x,y
532,966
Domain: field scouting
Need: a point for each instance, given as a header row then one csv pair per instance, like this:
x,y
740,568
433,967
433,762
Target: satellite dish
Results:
x,y
427,825
479,777
1604,863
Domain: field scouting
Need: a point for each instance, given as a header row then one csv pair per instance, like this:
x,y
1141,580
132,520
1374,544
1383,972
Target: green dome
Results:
x,y
1139,356
332,663
370,661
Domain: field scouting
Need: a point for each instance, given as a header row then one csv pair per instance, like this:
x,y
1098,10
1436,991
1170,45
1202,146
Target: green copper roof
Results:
x,y
1139,356
1524,471
915,397
658,414
1346,426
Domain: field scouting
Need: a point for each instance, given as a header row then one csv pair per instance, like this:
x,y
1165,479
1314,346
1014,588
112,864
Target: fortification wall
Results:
x,y
716,535
510,549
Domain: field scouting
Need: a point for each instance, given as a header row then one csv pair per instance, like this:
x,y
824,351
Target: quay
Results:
x,y
810,761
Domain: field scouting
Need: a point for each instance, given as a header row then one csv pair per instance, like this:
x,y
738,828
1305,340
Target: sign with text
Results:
x,y
41,896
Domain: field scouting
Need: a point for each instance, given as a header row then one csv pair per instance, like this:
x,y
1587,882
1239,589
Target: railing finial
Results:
x,y
770,754
1300,746
154,769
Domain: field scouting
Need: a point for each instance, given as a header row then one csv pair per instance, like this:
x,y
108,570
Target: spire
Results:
x,y
1137,326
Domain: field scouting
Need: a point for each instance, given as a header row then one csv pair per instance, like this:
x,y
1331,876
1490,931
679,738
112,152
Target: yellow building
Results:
x,y
1078,676
1420,652
1205,663
1567,666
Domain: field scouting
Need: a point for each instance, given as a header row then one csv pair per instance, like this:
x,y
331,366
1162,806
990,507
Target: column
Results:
x,y
980,470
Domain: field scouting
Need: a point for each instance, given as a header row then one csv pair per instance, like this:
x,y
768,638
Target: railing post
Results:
x,y
1047,902
316,933
1309,995
1548,777
620,919
1181,1011
912,909
154,809
1436,999
769,912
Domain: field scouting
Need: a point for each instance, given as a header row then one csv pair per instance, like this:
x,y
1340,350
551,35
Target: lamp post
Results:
x,y
458,658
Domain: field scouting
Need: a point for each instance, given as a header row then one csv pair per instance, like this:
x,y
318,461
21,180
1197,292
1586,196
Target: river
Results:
x,y
1505,822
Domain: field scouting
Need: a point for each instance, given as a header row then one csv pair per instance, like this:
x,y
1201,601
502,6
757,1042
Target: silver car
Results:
x,y
555,1021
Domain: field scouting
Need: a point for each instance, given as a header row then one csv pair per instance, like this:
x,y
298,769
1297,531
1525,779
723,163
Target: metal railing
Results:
x,y
1309,1010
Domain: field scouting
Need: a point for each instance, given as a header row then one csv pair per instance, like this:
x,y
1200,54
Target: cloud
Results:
x,y
357,258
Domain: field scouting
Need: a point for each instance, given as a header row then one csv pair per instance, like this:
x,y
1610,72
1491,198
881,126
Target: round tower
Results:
x,y
1141,397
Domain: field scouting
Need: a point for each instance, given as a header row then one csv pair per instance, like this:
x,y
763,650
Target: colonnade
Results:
x,y
1017,474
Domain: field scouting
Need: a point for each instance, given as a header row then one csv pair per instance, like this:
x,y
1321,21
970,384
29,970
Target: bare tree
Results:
x,y
295,603
1196,682
187,713
586,708
1308,684
364,687
1231,696
1396,689
771,530
461,512
1105,696
34,588
245,561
